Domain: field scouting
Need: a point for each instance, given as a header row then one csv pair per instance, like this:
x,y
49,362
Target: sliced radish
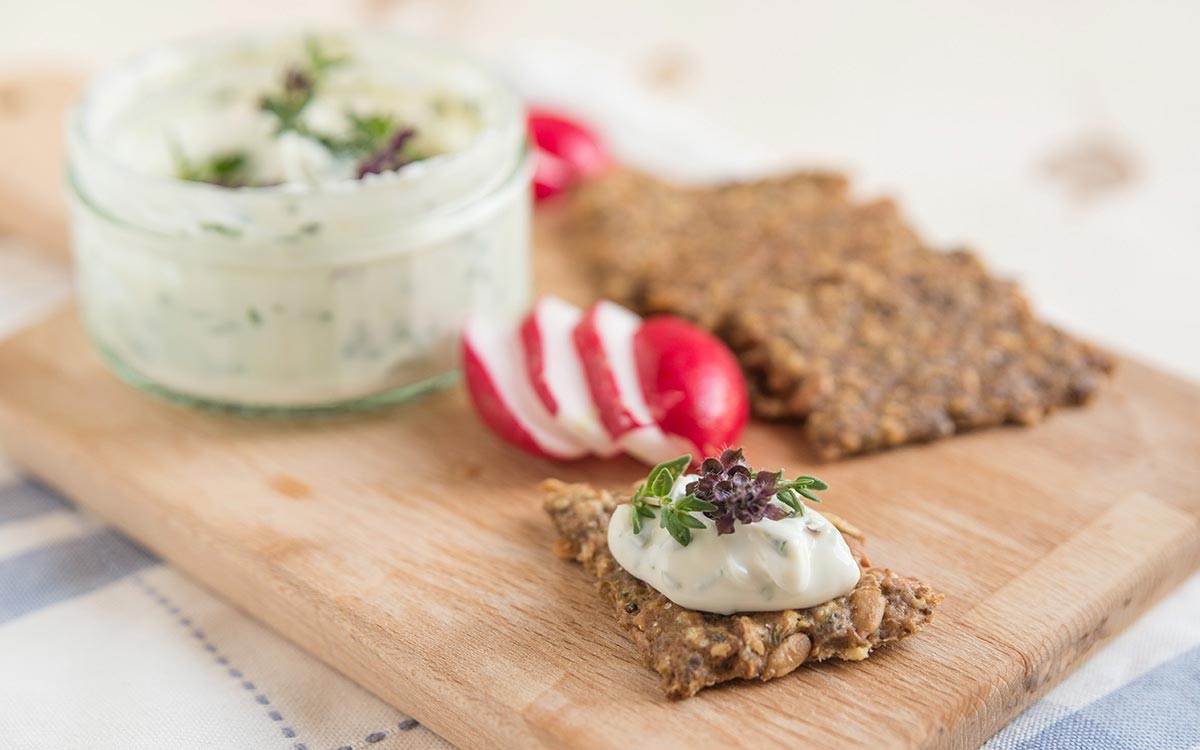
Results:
x,y
604,341
692,383
557,375
652,446
503,395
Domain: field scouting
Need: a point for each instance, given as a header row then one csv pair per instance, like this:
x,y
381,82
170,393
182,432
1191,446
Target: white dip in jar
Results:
x,y
295,221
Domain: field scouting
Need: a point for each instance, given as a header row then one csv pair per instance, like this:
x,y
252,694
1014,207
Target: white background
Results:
x,y
955,108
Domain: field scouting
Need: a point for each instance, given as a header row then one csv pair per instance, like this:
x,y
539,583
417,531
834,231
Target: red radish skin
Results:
x,y
568,153
551,360
692,383
605,330
535,359
503,396
604,340
568,382
551,176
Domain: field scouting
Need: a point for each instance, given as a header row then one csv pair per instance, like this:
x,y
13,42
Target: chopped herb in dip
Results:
x,y
363,143
227,169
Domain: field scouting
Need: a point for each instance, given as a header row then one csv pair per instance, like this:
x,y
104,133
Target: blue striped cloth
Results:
x,y
178,668
103,646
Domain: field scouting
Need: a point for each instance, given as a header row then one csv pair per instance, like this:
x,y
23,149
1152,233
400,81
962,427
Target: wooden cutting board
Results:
x,y
408,549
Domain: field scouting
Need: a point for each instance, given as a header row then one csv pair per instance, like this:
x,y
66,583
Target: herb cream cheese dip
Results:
x,y
792,563
296,222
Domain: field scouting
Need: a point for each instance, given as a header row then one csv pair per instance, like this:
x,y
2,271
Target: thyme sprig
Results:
x,y
674,514
727,491
789,492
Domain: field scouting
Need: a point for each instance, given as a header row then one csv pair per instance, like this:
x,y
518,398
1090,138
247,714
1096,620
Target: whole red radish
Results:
x,y
692,383
568,152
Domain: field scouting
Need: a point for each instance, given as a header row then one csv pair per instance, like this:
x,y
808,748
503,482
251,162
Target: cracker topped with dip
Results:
x,y
727,574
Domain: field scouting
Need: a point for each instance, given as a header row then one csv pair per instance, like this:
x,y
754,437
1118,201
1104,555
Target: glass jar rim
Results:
x,y
386,243
431,189
79,136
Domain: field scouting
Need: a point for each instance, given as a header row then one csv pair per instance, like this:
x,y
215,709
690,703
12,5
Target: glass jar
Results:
x,y
295,295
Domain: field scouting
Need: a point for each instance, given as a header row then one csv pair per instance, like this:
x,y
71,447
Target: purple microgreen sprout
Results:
x,y
389,156
727,491
742,495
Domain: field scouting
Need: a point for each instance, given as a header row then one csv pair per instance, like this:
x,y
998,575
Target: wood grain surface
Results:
x,y
408,549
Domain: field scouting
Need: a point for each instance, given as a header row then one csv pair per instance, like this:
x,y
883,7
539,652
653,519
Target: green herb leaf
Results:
x,y
813,483
803,485
662,477
690,521
299,87
678,530
641,509
224,229
227,168
661,484
693,503
318,61
789,498
671,515
287,105
678,465
367,134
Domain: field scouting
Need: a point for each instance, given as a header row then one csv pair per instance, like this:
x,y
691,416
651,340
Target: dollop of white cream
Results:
x,y
798,562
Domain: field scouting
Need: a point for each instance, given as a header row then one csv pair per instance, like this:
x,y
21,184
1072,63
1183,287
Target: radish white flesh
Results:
x,y
557,374
652,446
494,369
604,342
